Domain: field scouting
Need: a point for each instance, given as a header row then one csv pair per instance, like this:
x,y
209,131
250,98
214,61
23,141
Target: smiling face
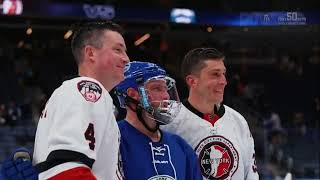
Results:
x,y
157,90
100,52
112,57
209,83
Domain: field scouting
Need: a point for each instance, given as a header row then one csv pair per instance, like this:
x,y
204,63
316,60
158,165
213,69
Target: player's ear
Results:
x,y
191,80
89,53
133,93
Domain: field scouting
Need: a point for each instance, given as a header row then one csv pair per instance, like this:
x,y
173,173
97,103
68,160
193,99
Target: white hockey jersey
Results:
x,y
77,128
225,150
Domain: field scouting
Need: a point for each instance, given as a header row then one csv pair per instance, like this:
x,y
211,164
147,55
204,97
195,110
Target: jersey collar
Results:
x,y
219,112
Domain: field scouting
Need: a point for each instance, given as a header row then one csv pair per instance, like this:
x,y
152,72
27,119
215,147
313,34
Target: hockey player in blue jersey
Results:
x,y
146,151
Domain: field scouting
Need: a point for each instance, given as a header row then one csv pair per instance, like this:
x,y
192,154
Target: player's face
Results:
x,y
211,81
112,57
157,91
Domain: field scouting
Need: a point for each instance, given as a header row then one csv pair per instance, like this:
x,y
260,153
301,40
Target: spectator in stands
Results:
x,y
299,124
3,114
14,113
316,112
271,119
279,161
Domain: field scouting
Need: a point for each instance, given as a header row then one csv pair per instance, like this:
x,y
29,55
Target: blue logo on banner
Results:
x,y
99,11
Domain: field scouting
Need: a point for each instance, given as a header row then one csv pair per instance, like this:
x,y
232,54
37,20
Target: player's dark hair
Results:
x,y
90,33
194,61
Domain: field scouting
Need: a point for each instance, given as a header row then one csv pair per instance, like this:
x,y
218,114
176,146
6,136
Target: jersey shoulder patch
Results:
x,y
91,91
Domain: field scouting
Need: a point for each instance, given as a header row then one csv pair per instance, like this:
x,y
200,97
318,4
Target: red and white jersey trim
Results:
x,y
59,169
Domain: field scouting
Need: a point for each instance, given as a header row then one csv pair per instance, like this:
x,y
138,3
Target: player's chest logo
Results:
x,y
218,158
161,177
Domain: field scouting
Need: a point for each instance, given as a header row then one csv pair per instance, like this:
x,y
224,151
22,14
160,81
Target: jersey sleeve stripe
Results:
x,y
62,156
74,174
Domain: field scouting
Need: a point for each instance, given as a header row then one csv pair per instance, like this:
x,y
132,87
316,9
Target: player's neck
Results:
x,y
154,136
201,104
132,118
88,72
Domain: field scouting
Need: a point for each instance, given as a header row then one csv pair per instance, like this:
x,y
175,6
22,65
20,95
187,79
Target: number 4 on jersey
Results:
x,y
89,135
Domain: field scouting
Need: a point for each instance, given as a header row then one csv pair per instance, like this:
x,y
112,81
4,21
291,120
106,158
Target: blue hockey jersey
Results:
x,y
170,158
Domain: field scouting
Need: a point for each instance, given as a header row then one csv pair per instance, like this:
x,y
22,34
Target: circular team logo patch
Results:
x,y
218,158
161,177
91,91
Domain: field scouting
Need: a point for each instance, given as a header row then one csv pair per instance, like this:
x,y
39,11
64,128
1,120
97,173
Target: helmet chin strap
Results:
x,y
141,119
139,109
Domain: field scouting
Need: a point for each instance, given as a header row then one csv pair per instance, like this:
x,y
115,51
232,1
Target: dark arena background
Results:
x,y
272,56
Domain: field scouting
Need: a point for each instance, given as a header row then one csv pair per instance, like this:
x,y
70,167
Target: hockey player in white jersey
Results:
x,y
219,135
77,136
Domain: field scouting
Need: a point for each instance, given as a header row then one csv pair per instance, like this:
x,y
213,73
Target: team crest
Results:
x,y
91,91
161,177
127,67
218,158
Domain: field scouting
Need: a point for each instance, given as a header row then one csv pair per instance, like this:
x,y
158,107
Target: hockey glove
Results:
x,y
18,166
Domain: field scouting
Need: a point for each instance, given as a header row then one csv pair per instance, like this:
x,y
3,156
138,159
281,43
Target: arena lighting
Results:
x,y
11,7
209,29
20,44
142,39
29,31
68,34
185,16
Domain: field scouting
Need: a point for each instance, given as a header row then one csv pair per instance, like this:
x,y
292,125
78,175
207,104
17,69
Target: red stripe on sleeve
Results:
x,y
75,174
